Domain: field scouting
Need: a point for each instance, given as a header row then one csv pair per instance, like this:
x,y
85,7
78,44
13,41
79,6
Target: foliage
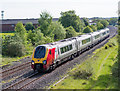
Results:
x,y
12,47
5,34
45,21
118,48
113,21
85,20
104,22
69,18
20,32
59,31
35,36
29,26
87,30
70,32
93,27
99,26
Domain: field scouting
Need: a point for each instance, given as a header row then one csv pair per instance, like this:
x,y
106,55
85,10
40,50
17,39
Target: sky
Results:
x,y
22,9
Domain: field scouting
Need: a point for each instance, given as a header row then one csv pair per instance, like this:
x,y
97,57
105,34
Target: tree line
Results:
x,y
68,25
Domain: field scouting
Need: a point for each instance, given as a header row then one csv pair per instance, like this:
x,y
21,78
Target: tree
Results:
x,y
87,30
45,21
20,32
59,31
99,26
85,20
104,22
93,27
113,21
70,32
35,37
69,18
29,26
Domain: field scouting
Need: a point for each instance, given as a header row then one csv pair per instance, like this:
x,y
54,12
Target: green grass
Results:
x,y
8,60
97,72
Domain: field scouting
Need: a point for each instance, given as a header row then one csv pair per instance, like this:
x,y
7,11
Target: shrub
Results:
x,y
82,74
93,27
15,49
87,30
106,46
70,32
59,31
29,26
12,47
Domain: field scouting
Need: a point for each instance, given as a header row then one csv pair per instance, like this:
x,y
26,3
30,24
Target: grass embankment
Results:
x,y
97,72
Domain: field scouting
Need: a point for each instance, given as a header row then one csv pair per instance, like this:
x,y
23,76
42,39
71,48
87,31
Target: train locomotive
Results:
x,y
47,56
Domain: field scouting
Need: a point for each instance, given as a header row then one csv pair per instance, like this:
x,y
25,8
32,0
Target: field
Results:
x,y
97,72
4,34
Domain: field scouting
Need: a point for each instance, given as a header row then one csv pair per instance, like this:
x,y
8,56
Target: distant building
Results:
x,y
9,24
92,22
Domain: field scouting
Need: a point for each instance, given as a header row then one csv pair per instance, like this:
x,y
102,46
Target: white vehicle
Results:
x,y
48,56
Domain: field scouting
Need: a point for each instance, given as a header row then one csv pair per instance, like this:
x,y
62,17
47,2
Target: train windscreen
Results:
x,y
40,52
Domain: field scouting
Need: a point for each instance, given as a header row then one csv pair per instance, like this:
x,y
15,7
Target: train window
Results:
x,y
61,49
64,49
104,33
70,46
67,49
97,36
58,51
85,41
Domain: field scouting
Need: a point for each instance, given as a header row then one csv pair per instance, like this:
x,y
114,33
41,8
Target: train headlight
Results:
x,y
44,62
32,62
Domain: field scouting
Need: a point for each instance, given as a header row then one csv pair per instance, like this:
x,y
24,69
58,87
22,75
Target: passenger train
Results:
x,y
47,56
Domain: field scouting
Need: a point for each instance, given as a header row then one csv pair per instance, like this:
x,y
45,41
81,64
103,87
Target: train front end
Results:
x,y
39,58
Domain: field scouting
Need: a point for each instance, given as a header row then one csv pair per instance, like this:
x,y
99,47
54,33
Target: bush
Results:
x,y
93,27
15,49
104,22
35,36
12,47
82,74
59,31
99,26
87,30
29,26
106,46
70,32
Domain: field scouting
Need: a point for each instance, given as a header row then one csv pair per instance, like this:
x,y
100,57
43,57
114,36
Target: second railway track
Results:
x,y
15,69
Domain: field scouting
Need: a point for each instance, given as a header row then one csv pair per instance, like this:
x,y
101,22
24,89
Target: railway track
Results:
x,y
26,81
15,69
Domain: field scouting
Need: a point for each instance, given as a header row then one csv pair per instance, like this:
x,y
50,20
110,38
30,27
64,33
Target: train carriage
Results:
x,y
95,38
104,33
46,57
84,42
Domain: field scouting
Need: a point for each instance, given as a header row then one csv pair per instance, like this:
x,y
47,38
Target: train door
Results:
x,y
56,54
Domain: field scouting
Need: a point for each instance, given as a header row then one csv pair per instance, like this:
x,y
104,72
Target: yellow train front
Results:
x,y
43,57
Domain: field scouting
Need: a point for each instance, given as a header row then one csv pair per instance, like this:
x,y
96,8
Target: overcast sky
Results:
x,y
84,8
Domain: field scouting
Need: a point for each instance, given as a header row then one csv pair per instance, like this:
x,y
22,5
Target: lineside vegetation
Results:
x,y
26,37
97,72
